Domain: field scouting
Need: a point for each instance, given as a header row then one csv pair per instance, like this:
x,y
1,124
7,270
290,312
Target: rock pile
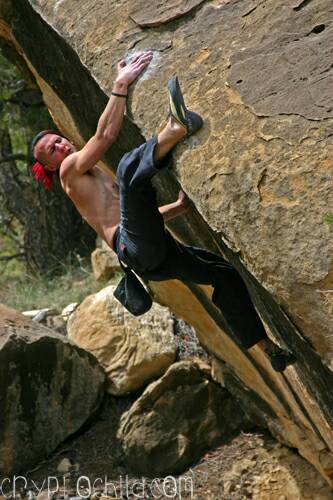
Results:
x,y
133,351
176,419
49,388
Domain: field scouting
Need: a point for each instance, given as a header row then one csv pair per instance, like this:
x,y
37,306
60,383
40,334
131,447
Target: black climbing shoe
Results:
x,y
192,121
280,359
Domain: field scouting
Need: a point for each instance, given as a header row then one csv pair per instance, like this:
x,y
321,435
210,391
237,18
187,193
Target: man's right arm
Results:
x,y
109,123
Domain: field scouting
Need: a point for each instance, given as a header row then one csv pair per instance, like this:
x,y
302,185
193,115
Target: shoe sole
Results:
x,y
192,121
176,101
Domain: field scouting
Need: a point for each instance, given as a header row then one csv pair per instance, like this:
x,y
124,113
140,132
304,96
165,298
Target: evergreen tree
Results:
x,y
43,227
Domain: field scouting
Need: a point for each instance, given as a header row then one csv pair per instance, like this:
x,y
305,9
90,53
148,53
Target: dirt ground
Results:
x,y
250,466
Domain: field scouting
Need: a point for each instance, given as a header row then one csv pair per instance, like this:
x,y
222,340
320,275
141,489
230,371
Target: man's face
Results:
x,y
52,149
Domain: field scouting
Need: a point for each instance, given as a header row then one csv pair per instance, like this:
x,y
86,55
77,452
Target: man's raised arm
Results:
x,y
110,121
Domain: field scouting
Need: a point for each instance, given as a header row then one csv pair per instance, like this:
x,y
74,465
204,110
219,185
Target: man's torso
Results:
x,y
96,196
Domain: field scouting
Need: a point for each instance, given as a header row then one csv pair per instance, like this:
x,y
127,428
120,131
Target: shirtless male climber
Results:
x,y
125,214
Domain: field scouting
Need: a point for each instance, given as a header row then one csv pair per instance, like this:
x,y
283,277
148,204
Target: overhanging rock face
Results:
x,y
259,172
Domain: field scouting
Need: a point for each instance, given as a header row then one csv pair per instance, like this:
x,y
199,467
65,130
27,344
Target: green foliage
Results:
x,y
22,114
10,119
26,292
12,268
10,115
22,111
328,218
9,78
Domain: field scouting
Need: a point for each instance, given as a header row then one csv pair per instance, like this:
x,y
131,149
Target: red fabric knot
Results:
x,y
43,175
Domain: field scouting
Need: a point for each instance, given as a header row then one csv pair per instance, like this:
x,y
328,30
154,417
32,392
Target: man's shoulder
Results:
x,y
67,167
69,172
72,180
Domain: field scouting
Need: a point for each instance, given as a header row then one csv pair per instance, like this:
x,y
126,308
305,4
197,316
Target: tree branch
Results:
x,y
10,257
13,157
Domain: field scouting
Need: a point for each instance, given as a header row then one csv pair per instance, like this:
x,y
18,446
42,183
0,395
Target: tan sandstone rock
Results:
x,y
259,172
132,350
104,263
176,419
49,387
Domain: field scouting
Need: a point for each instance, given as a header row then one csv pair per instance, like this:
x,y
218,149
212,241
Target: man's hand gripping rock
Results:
x,y
127,73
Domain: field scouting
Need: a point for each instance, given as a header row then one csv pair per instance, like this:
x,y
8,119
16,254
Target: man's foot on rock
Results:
x,y
178,111
280,359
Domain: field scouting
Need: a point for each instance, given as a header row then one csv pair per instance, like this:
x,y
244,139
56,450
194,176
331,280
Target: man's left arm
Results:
x,y
109,123
177,208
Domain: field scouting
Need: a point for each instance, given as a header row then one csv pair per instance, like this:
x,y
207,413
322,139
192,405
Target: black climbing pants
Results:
x,y
143,243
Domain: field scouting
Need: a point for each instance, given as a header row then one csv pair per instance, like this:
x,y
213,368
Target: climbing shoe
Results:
x,y
280,359
192,121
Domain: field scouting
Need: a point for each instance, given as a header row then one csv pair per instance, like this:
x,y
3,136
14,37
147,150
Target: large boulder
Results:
x,y
48,389
105,263
258,172
176,419
132,350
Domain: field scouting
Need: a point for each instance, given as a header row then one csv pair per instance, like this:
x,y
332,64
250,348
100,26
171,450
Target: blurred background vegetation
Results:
x,y
44,244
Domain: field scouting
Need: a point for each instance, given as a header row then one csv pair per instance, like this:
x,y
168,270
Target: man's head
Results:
x,y
49,149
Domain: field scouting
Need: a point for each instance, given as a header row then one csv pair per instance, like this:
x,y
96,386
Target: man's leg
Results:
x,y
168,138
142,233
150,248
142,241
137,167
196,265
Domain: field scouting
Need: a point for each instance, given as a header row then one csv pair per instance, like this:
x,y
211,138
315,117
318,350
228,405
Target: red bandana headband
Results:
x,y
43,175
